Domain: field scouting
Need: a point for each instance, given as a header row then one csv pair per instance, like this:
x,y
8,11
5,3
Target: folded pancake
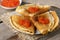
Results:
x,y
45,22
32,9
22,24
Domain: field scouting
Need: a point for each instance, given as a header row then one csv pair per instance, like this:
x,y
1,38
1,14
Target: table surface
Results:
x,y
5,30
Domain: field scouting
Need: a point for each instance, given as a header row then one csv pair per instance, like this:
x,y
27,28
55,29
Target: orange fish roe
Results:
x,y
26,23
43,20
10,3
33,9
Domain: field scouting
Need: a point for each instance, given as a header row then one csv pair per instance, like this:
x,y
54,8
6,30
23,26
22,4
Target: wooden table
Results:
x,y
4,34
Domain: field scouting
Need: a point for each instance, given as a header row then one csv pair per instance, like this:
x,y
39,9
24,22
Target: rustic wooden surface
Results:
x,y
55,35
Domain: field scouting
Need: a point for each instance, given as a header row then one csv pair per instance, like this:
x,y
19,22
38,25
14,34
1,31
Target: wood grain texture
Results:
x,y
44,2
55,35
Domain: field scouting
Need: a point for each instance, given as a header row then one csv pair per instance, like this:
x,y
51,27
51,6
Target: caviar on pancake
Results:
x,y
25,22
43,20
33,9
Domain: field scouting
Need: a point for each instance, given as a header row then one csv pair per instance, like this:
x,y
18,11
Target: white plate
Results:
x,y
12,7
5,18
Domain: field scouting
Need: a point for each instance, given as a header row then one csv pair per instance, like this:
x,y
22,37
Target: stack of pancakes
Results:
x,y
40,16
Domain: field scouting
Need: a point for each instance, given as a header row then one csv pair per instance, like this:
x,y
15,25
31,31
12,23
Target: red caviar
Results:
x,y
33,9
43,20
26,23
10,3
